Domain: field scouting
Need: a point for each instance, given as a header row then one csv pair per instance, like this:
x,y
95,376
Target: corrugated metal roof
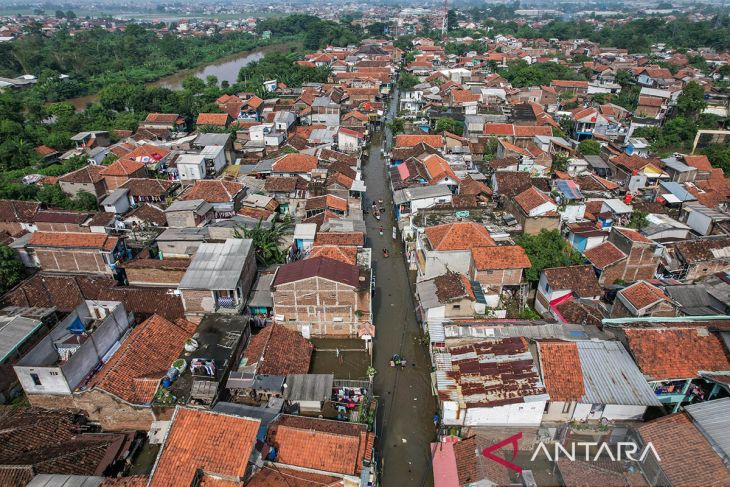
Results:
x,y
610,375
217,266
309,387
436,332
712,418
14,331
541,331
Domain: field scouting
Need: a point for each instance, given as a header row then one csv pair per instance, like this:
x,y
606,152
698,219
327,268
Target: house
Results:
x,y
692,434
534,210
61,221
224,196
147,190
93,138
642,299
489,383
88,179
675,359
499,266
120,394
145,216
150,272
122,170
349,140
117,201
321,297
20,329
43,445
591,380
642,256
448,296
66,357
75,252
329,204
190,167
218,278
214,437
213,119
278,350
699,258
295,165
170,121
325,111
447,247
559,284
189,213
284,121
16,217
322,445
608,261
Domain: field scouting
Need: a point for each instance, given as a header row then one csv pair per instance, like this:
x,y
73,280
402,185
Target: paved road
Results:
x,y
407,406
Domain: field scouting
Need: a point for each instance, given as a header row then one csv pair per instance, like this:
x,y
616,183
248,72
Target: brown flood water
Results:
x,y
225,69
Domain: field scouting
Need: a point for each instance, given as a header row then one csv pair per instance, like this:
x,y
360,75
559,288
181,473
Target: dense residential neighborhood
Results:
x,y
440,255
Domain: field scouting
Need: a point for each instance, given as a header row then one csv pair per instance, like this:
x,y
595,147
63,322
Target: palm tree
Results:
x,y
266,241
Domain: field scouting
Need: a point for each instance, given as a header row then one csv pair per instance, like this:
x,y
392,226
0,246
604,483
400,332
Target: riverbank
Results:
x,y
225,69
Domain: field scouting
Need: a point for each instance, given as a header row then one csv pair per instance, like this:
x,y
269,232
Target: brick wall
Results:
x,y
499,277
75,260
154,277
198,301
703,269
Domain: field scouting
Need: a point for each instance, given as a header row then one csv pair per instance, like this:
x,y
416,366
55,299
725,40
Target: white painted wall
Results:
x,y
519,414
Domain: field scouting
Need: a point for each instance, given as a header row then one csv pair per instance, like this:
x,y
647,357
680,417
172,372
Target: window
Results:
x,y
53,373
457,306
566,407
36,379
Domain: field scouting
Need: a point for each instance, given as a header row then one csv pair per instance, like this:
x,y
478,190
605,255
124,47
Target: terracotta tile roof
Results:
x,y
471,467
642,294
500,257
87,174
575,311
632,235
564,83
471,186
438,169
57,216
14,211
633,163
321,444
458,236
162,117
280,184
687,457
132,481
701,250
123,167
216,443
452,287
581,279
219,119
356,239
604,255
213,191
650,101
279,351
350,132
147,186
317,267
531,199
295,163
44,150
561,369
147,153
676,353
135,370
465,96
512,183
348,255
435,141
73,240
286,477
580,473
700,162
148,213
328,201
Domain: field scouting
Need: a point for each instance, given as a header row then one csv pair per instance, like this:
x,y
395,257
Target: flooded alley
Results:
x,y
407,405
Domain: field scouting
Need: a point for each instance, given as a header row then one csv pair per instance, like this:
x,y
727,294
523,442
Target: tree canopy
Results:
x,y
547,249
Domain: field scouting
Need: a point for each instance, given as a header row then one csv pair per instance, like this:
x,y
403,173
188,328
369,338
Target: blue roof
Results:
x,y
677,190
569,189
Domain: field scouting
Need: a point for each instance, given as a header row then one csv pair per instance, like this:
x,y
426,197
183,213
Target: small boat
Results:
x,y
385,253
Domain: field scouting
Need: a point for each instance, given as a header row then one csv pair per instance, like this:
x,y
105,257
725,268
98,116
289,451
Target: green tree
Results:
x,y
547,249
638,219
691,101
266,241
11,269
589,147
407,81
449,125
60,14
560,161
396,126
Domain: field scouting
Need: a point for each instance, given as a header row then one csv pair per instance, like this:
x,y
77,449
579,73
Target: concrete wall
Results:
x,y
519,414
178,248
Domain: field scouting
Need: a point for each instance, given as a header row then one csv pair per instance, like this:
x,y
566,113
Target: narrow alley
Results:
x,y
407,406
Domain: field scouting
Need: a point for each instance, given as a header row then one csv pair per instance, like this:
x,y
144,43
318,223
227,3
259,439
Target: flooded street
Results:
x,y
407,405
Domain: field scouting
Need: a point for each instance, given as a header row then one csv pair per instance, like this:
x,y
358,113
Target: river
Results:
x,y
225,69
